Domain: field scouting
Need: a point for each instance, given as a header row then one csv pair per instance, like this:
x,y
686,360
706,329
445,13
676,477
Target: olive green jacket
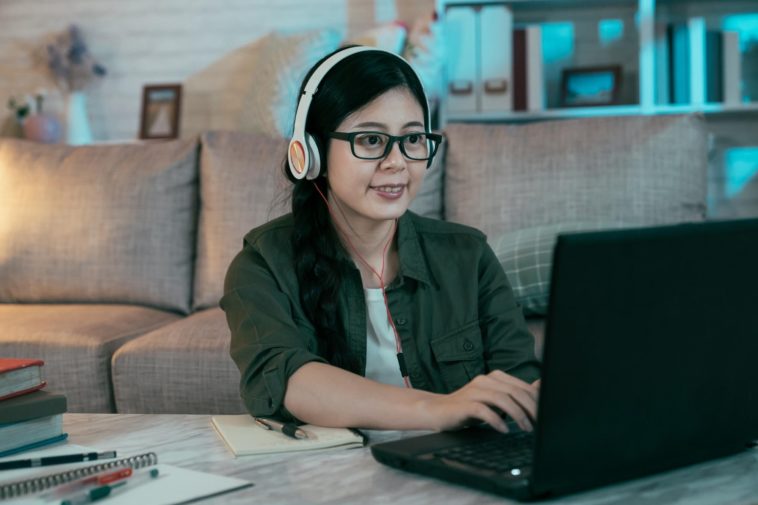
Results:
x,y
451,303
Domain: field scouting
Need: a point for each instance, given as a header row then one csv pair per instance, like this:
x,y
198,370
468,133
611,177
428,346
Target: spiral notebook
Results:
x,y
174,484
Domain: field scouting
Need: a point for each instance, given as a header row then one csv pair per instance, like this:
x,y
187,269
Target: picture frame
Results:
x,y
590,86
161,107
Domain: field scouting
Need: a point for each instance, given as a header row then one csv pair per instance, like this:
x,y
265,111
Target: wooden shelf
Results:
x,y
614,110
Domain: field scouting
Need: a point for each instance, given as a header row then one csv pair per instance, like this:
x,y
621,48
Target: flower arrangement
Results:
x,y
70,63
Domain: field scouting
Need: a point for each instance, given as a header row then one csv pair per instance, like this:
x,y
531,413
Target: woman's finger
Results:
x,y
504,378
485,414
525,397
505,402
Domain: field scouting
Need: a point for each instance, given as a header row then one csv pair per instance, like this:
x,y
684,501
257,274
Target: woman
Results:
x,y
354,312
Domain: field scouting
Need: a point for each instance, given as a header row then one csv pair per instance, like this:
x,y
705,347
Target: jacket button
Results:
x,y
400,321
467,345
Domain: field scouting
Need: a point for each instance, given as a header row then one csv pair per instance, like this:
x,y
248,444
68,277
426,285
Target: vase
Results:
x,y
42,128
77,123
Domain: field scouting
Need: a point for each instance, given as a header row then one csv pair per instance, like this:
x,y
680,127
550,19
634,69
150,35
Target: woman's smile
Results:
x,y
389,191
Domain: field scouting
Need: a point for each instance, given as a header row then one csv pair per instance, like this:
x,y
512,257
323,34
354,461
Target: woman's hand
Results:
x,y
482,399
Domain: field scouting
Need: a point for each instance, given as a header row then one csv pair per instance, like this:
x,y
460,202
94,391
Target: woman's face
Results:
x,y
368,192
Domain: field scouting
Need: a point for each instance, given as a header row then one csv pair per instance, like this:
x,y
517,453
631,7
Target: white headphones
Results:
x,y
303,156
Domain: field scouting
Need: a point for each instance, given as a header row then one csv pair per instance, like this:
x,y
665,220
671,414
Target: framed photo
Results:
x,y
161,104
589,86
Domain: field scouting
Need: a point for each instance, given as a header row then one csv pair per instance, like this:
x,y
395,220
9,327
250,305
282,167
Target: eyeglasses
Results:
x,y
377,145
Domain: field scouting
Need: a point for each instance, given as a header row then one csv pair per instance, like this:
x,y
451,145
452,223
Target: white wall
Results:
x,y
159,41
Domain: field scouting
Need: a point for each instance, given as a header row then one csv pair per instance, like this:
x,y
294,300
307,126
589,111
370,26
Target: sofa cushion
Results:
x,y
180,368
268,106
241,186
76,342
428,201
102,224
633,170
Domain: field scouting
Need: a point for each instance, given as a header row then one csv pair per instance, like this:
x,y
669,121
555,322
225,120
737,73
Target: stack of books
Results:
x,y
29,417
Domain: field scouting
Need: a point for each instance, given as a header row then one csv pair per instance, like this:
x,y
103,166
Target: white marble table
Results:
x,y
351,476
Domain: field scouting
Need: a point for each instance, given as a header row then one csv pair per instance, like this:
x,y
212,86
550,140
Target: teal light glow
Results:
x,y
746,25
609,31
741,167
557,41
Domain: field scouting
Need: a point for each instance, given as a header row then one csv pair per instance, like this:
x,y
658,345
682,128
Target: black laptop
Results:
x,y
650,363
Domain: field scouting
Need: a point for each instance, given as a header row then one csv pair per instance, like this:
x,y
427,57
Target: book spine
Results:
x,y
732,68
535,87
519,69
697,60
662,66
714,75
679,71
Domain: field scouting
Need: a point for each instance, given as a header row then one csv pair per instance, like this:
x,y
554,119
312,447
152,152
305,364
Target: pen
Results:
x,y
289,429
56,460
106,477
101,492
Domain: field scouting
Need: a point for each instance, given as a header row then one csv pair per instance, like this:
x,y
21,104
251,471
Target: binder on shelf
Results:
x,y
462,64
732,87
496,85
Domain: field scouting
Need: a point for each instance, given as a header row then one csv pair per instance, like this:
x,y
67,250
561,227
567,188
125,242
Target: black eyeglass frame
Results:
x,y
350,137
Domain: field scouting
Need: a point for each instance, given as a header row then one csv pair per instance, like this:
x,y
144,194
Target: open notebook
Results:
x,y
173,485
244,437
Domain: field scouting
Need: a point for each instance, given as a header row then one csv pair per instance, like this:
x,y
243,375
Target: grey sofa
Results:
x,y
112,257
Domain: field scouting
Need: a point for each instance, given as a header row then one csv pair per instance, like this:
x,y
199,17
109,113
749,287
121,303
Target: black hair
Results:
x,y
321,261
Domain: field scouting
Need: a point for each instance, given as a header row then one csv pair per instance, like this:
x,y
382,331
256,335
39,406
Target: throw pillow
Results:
x,y
634,170
269,105
98,224
428,201
527,258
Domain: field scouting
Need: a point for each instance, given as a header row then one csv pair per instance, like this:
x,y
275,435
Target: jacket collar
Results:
x,y
412,261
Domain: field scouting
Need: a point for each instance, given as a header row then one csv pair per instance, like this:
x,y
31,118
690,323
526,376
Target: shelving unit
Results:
x,y
710,109
638,18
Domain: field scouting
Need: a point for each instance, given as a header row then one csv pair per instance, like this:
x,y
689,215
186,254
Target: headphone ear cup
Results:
x,y
314,168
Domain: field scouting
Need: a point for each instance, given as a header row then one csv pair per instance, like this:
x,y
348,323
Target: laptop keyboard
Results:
x,y
500,455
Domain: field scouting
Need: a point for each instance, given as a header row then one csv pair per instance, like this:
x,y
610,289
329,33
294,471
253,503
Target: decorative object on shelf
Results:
x,y
31,122
41,126
425,51
161,104
78,130
20,107
590,86
73,68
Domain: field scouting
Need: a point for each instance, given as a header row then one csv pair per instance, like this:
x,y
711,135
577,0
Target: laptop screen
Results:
x,y
651,352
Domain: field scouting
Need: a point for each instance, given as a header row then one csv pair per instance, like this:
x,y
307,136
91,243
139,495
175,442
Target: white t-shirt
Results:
x,y
381,349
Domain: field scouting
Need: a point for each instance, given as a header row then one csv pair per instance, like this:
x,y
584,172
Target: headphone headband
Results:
x,y
303,156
